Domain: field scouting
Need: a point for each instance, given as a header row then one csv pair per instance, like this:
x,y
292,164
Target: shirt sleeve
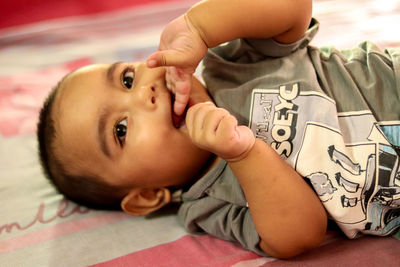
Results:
x,y
221,219
271,48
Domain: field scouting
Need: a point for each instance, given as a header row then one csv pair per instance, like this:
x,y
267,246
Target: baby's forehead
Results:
x,y
89,76
79,75
99,67
71,85
93,68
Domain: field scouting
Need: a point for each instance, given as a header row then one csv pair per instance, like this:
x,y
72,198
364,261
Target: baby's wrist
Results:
x,y
195,26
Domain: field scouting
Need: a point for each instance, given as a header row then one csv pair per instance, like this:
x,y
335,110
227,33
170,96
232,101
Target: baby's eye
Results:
x,y
128,77
120,130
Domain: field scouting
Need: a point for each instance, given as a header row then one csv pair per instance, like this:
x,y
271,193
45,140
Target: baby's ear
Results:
x,y
142,201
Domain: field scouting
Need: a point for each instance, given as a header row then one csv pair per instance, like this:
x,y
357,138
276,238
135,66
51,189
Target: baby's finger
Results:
x,y
200,115
154,60
237,139
169,79
226,130
213,119
180,84
245,135
246,140
180,103
195,117
182,93
165,58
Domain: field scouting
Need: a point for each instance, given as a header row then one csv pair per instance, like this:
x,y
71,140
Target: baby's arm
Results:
x,y
185,40
219,21
287,214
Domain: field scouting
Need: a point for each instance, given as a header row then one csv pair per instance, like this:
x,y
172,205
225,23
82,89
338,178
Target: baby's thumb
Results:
x,y
163,58
246,142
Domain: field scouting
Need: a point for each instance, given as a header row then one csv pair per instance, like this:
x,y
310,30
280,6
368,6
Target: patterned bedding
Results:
x,y
38,227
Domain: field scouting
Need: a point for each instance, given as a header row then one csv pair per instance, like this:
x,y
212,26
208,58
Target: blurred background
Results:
x,y
18,12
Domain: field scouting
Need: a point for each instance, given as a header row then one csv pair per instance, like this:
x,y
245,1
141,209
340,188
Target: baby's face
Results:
x,y
115,122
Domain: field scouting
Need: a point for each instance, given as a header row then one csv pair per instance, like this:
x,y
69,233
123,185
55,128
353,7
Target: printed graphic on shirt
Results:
x,y
350,160
392,133
274,116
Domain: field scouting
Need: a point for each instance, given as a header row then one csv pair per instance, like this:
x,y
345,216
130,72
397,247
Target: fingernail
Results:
x,y
151,63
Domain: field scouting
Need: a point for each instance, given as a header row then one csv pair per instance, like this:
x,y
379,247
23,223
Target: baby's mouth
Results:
x,y
177,120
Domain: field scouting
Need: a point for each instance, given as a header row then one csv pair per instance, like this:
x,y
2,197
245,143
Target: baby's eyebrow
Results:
x,y
104,113
110,72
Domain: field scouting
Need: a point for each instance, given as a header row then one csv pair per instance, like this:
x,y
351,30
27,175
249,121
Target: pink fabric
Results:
x,y
201,250
61,229
208,251
365,251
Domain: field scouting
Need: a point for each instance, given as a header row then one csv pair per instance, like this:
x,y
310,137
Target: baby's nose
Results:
x,y
148,96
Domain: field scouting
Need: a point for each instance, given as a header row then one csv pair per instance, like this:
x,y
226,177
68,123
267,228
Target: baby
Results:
x,y
127,135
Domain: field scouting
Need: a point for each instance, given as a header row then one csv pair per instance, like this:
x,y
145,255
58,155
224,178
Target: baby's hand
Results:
x,y
181,49
215,129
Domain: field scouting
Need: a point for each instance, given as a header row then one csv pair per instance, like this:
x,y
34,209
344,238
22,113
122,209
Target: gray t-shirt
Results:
x,y
334,116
